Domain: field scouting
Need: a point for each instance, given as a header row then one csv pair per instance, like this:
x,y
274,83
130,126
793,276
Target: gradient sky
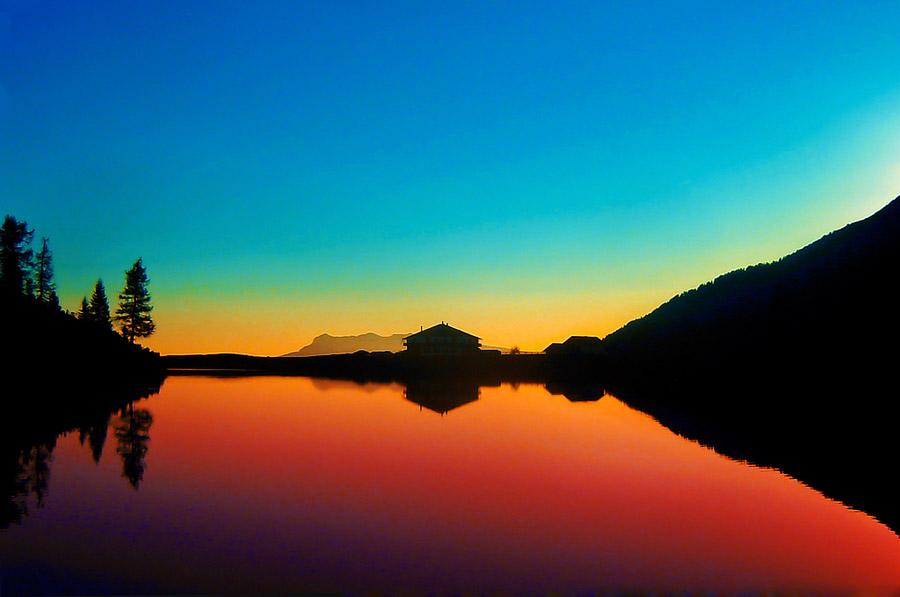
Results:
x,y
522,170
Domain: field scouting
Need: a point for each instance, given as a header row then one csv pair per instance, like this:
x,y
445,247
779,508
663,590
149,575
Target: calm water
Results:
x,y
289,484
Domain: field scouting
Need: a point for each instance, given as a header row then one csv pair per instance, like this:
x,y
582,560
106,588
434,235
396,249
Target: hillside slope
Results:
x,y
50,358
825,310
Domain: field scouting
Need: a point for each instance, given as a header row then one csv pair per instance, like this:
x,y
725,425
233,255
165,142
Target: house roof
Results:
x,y
442,329
583,344
583,341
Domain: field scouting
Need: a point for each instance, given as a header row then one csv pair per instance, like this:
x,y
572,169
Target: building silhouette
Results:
x,y
441,339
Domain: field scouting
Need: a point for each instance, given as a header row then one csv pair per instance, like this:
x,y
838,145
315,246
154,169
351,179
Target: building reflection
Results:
x,y
441,395
583,392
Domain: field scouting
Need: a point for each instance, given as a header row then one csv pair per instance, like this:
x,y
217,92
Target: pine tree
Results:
x,y
134,308
84,314
43,286
99,307
53,300
15,255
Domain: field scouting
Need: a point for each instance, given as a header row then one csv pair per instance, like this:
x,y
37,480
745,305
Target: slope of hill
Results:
x,y
51,351
825,310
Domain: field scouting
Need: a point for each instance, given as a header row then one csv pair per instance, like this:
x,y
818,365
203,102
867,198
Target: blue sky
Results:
x,y
524,170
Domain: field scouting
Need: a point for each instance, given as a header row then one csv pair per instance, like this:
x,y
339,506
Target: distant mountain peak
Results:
x,y
370,341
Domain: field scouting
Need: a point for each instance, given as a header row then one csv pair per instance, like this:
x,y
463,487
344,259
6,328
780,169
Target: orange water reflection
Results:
x,y
285,484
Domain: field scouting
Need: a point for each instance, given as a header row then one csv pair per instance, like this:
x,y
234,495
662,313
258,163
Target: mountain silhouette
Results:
x,y
825,310
370,342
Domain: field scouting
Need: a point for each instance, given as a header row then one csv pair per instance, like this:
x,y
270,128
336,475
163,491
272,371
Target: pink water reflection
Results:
x,y
286,484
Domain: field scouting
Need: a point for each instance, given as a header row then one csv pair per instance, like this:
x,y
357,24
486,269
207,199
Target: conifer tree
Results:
x,y
84,314
53,300
15,255
99,307
134,308
43,286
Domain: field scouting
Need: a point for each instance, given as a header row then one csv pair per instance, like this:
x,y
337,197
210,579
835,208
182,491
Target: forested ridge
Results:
x,y
825,310
51,355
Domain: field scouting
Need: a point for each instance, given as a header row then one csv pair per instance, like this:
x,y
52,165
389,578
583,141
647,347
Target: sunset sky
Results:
x,y
524,171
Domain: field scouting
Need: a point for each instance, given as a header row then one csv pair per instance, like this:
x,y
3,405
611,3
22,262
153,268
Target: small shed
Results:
x,y
576,345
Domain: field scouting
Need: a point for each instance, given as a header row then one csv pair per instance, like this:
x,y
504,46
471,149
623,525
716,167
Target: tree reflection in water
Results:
x,y
95,435
132,430
24,473
26,451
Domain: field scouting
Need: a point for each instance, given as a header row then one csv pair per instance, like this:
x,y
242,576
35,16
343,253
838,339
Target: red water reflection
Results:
x,y
286,484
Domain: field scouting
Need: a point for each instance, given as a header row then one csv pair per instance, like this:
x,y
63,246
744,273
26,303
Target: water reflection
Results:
x,y
576,392
291,485
25,476
27,447
95,434
441,395
132,430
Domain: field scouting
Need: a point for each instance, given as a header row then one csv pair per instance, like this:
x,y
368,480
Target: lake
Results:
x,y
289,484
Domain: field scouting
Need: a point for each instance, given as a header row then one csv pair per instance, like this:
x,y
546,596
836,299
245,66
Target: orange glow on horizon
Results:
x,y
260,327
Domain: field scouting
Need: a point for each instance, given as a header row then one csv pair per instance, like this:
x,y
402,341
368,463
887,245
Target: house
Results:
x,y
441,339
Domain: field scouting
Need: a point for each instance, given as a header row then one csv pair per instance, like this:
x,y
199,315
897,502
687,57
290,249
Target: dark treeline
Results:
x,y
24,273
43,345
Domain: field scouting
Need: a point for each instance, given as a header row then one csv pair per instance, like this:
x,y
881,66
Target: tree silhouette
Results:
x,y
134,304
84,313
43,286
15,255
99,307
53,300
